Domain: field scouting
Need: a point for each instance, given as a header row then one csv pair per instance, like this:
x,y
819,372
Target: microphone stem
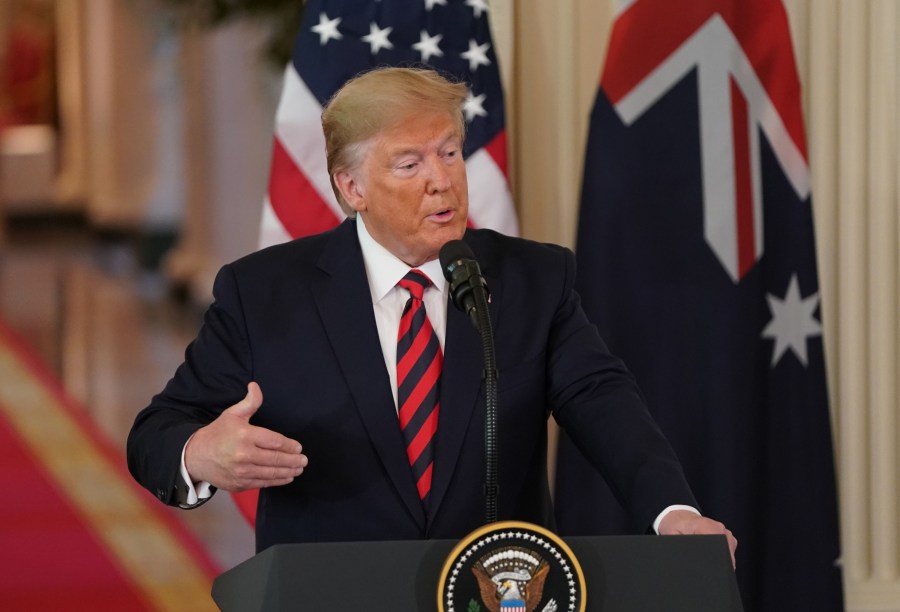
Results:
x,y
490,390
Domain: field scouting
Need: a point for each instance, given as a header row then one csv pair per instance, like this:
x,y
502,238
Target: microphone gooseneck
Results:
x,y
469,292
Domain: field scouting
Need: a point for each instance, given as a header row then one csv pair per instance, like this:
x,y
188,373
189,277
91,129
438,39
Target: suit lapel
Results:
x,y
345,304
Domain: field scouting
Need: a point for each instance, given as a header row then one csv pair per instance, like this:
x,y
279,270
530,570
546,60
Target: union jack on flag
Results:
x,y
337,40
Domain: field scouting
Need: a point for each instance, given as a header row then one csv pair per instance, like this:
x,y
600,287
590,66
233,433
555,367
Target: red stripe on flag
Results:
x,y
246,502
297,204
496,148
743,185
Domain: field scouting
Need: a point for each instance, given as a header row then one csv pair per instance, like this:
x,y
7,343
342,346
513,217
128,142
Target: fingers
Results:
x,y
271,440
276,465
706,526
254,466
261,477
732,547
267,470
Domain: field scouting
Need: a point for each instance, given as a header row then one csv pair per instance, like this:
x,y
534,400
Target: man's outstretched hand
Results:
x,y
233,455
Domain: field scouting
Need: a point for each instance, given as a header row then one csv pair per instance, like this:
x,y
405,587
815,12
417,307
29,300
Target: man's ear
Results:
x,y
350,189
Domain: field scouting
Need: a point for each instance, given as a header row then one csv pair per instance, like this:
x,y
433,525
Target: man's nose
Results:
x,y
438,176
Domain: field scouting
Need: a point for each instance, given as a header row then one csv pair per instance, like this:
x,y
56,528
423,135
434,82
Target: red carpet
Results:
x,y
77,533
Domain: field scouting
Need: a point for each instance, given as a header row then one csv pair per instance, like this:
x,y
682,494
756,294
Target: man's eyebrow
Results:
x,y
417,150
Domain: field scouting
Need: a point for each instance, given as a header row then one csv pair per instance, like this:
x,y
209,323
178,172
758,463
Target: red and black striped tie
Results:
x,y
419,364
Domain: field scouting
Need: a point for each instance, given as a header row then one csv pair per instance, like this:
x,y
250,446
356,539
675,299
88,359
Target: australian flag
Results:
x,y
696,259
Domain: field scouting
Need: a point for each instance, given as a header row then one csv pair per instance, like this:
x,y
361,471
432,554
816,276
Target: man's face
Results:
x,y
411,187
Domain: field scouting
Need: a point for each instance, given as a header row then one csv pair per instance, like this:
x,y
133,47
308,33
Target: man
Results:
x,y
307,333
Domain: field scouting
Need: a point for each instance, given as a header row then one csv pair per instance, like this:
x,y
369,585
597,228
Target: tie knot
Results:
x,y
415,282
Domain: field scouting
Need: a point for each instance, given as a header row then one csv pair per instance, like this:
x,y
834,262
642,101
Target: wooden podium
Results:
x,y
622,574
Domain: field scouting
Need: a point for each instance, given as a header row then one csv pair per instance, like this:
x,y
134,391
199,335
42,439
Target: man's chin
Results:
x,y
454,233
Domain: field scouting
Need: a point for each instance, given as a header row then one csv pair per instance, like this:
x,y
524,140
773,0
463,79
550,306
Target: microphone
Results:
x,y
464,275
470,293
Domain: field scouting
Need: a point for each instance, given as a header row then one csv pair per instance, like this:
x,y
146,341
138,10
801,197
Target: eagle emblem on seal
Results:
x,y
511,579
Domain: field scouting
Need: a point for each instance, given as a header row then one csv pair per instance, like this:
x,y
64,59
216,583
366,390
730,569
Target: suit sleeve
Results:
x,y
214,375
597,401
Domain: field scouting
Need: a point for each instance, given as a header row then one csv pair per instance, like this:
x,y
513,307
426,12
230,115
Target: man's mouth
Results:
x,y
442,215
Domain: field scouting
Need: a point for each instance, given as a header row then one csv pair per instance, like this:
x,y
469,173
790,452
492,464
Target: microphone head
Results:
x,y
453,255
464,275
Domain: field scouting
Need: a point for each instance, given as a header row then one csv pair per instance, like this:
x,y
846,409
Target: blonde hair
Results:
x,y
379,99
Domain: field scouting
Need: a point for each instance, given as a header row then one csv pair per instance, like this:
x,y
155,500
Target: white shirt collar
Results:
x,y
384,270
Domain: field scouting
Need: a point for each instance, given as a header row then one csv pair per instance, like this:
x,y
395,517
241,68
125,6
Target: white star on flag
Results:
x,y
429,4
428,45
378,38
478,6
792,322
327,29
474,106
477,55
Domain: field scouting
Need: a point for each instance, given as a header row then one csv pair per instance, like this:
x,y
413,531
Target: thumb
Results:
x,y
248,406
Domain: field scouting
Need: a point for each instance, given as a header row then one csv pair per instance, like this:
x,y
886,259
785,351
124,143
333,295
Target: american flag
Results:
x,y
337,40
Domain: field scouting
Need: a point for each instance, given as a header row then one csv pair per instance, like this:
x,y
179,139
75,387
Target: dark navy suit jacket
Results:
x,y
298,319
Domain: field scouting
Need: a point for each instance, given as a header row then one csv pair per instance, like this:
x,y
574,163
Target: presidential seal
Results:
x,y
511,566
